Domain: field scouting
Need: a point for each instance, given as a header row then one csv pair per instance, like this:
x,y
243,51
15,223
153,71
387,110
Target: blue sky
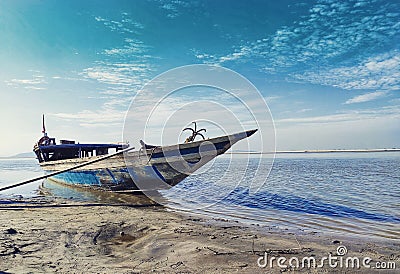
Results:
x,y
329,70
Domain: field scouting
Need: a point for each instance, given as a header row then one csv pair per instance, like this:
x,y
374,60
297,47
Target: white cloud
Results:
x,y
273,98
388,112
128,67
304,110
123,25
134,75
311,49
173,8
116,91
366,97
116,102
377,72
103,117
132,47
392,62
34,87
122,71
242,52
37,82
27,81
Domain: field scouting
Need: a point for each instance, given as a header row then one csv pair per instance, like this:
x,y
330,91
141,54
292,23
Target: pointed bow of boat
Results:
x,y
251,132
240,136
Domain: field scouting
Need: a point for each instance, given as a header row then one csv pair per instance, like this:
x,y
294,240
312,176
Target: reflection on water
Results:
x,y
346,193
86,194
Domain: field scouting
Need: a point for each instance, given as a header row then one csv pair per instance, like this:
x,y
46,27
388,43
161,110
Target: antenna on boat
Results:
x,y
195,132
44,127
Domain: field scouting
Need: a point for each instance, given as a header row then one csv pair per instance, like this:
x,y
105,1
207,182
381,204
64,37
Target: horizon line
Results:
x,y
279,151
317,151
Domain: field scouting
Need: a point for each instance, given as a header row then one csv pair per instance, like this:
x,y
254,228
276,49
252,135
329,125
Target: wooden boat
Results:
x,y
149,168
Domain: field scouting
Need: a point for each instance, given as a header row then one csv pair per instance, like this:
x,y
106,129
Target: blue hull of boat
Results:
x,y
113,179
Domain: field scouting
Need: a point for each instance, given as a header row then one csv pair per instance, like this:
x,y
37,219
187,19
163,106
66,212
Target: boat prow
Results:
x,y
157,167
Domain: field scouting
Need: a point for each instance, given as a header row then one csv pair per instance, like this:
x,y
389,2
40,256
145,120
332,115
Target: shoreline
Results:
x,y
60,235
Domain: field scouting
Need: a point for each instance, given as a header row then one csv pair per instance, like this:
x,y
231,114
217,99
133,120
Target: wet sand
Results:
x,y
47,235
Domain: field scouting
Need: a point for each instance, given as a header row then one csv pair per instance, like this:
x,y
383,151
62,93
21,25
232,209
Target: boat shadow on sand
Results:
x,y
55,195
17,205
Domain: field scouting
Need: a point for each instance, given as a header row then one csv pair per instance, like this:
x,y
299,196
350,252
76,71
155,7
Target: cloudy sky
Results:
x,y
329,70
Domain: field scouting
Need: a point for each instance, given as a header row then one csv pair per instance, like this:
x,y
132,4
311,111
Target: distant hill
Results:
x,y
22,155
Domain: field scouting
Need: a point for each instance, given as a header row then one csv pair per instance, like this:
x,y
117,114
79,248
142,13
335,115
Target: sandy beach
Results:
x,y
47,235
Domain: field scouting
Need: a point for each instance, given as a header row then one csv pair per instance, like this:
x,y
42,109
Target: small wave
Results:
x,y
267,200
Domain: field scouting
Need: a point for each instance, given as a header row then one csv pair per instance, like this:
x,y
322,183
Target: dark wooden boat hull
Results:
x,y
147,169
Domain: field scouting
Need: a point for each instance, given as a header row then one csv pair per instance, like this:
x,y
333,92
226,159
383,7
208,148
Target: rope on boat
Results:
x,y
151,155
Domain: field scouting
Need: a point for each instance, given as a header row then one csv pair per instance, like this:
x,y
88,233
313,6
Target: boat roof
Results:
x,y
81,146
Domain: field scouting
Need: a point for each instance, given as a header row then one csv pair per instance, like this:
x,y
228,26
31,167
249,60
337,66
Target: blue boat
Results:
x,y
149,168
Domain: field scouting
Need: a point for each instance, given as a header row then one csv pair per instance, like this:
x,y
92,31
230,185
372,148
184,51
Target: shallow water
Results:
x,y
351,193
16,170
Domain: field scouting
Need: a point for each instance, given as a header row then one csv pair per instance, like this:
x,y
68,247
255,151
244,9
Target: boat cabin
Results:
x,y
47,150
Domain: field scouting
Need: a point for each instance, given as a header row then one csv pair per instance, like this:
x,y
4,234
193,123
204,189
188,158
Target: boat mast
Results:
x,y
44,128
